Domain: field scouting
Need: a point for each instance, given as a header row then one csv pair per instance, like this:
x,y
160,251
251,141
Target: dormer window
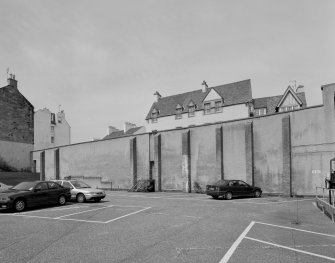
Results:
x,y
191,109
179,110
218,106
207,107
154,115
260,112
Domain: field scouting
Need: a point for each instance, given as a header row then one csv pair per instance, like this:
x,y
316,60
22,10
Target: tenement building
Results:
x,y
16,127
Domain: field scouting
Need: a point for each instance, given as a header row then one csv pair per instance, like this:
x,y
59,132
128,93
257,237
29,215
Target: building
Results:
x,y
16,128
289,101
128,129
51,130
217,104
285,153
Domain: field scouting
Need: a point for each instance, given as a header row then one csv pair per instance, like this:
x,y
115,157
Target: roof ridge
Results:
x,y
230,83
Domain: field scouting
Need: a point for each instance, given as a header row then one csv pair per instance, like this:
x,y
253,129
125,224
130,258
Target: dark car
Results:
x,y
232,188
28,194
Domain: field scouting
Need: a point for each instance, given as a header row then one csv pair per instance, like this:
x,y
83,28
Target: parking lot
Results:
x,y
169,227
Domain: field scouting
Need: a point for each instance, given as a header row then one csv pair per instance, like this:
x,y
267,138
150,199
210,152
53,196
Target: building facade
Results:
x,y
287,153
51,130
216,104
16,128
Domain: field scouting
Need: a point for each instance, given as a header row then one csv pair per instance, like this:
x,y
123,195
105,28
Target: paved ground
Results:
x,y
169,227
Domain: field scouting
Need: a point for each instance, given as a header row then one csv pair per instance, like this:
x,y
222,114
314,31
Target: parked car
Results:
x,y
81,191
4,187
232,188
28,194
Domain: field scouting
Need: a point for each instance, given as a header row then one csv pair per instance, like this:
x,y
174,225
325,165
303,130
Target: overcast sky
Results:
x,y
103,60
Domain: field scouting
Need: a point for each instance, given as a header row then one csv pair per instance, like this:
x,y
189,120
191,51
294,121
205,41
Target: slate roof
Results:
x,y
233,93
270,103
121,133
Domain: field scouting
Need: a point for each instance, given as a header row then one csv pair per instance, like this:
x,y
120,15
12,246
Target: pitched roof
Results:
x,y
270,103
121,133
233,93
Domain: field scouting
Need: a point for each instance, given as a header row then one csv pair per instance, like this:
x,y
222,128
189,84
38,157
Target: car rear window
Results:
x,y
221,182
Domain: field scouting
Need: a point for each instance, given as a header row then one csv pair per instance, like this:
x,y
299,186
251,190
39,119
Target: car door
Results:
x,y
234,188
40,194
53,192
245,189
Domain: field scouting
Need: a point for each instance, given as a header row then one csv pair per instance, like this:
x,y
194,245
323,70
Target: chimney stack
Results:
x,y
204,89
158,95
12,81
127,126
111,129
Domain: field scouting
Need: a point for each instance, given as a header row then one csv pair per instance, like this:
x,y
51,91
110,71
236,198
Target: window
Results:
x,y
179,110
42,186
53,185
52,139
53,118
191,111
241,183
260,112
52,128
218,106
68,185
288,108
207,107
154,116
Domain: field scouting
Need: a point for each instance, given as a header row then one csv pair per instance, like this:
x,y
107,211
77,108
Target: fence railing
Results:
x,y
326,201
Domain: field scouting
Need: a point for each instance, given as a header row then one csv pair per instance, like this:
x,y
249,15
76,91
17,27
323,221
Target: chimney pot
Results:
x,y
11,81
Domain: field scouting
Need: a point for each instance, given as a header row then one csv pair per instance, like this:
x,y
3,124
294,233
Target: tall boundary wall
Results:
x,y
285,153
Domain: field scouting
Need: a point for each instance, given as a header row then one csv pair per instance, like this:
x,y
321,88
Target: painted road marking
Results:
x,y
126,215
82,220
289,248
232,249
83,212
52,209
297,229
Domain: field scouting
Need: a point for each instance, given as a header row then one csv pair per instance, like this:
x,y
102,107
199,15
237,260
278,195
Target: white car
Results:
x,y
81,191
4,187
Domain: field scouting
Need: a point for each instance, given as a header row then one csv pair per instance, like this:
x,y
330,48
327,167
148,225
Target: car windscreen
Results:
x,y
80,184
221,182
24,186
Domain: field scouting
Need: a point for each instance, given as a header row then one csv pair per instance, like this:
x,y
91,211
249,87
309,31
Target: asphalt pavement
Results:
x,y
169,227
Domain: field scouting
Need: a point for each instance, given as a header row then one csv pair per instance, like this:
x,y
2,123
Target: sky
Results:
x,y
102,61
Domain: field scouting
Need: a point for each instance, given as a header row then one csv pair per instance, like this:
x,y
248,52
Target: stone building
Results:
x,y
16,127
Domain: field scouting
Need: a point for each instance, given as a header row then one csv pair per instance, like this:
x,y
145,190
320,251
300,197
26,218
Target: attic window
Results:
x,y
179,110
218,106
191,109
260,112
154,115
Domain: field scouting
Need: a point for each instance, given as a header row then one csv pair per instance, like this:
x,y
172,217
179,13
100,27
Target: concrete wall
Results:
x,y
16,154
286,153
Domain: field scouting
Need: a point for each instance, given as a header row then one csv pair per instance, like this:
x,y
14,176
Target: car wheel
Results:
x,y
19,205
97,199
258,193
62,200
229,195
81,198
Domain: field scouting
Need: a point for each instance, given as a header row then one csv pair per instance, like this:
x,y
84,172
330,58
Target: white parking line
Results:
x,y
297,229
126,215
83,212
52,209
232,249
289,248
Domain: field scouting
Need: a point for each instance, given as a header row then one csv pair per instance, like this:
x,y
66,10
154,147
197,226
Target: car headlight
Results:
x,y
4,198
